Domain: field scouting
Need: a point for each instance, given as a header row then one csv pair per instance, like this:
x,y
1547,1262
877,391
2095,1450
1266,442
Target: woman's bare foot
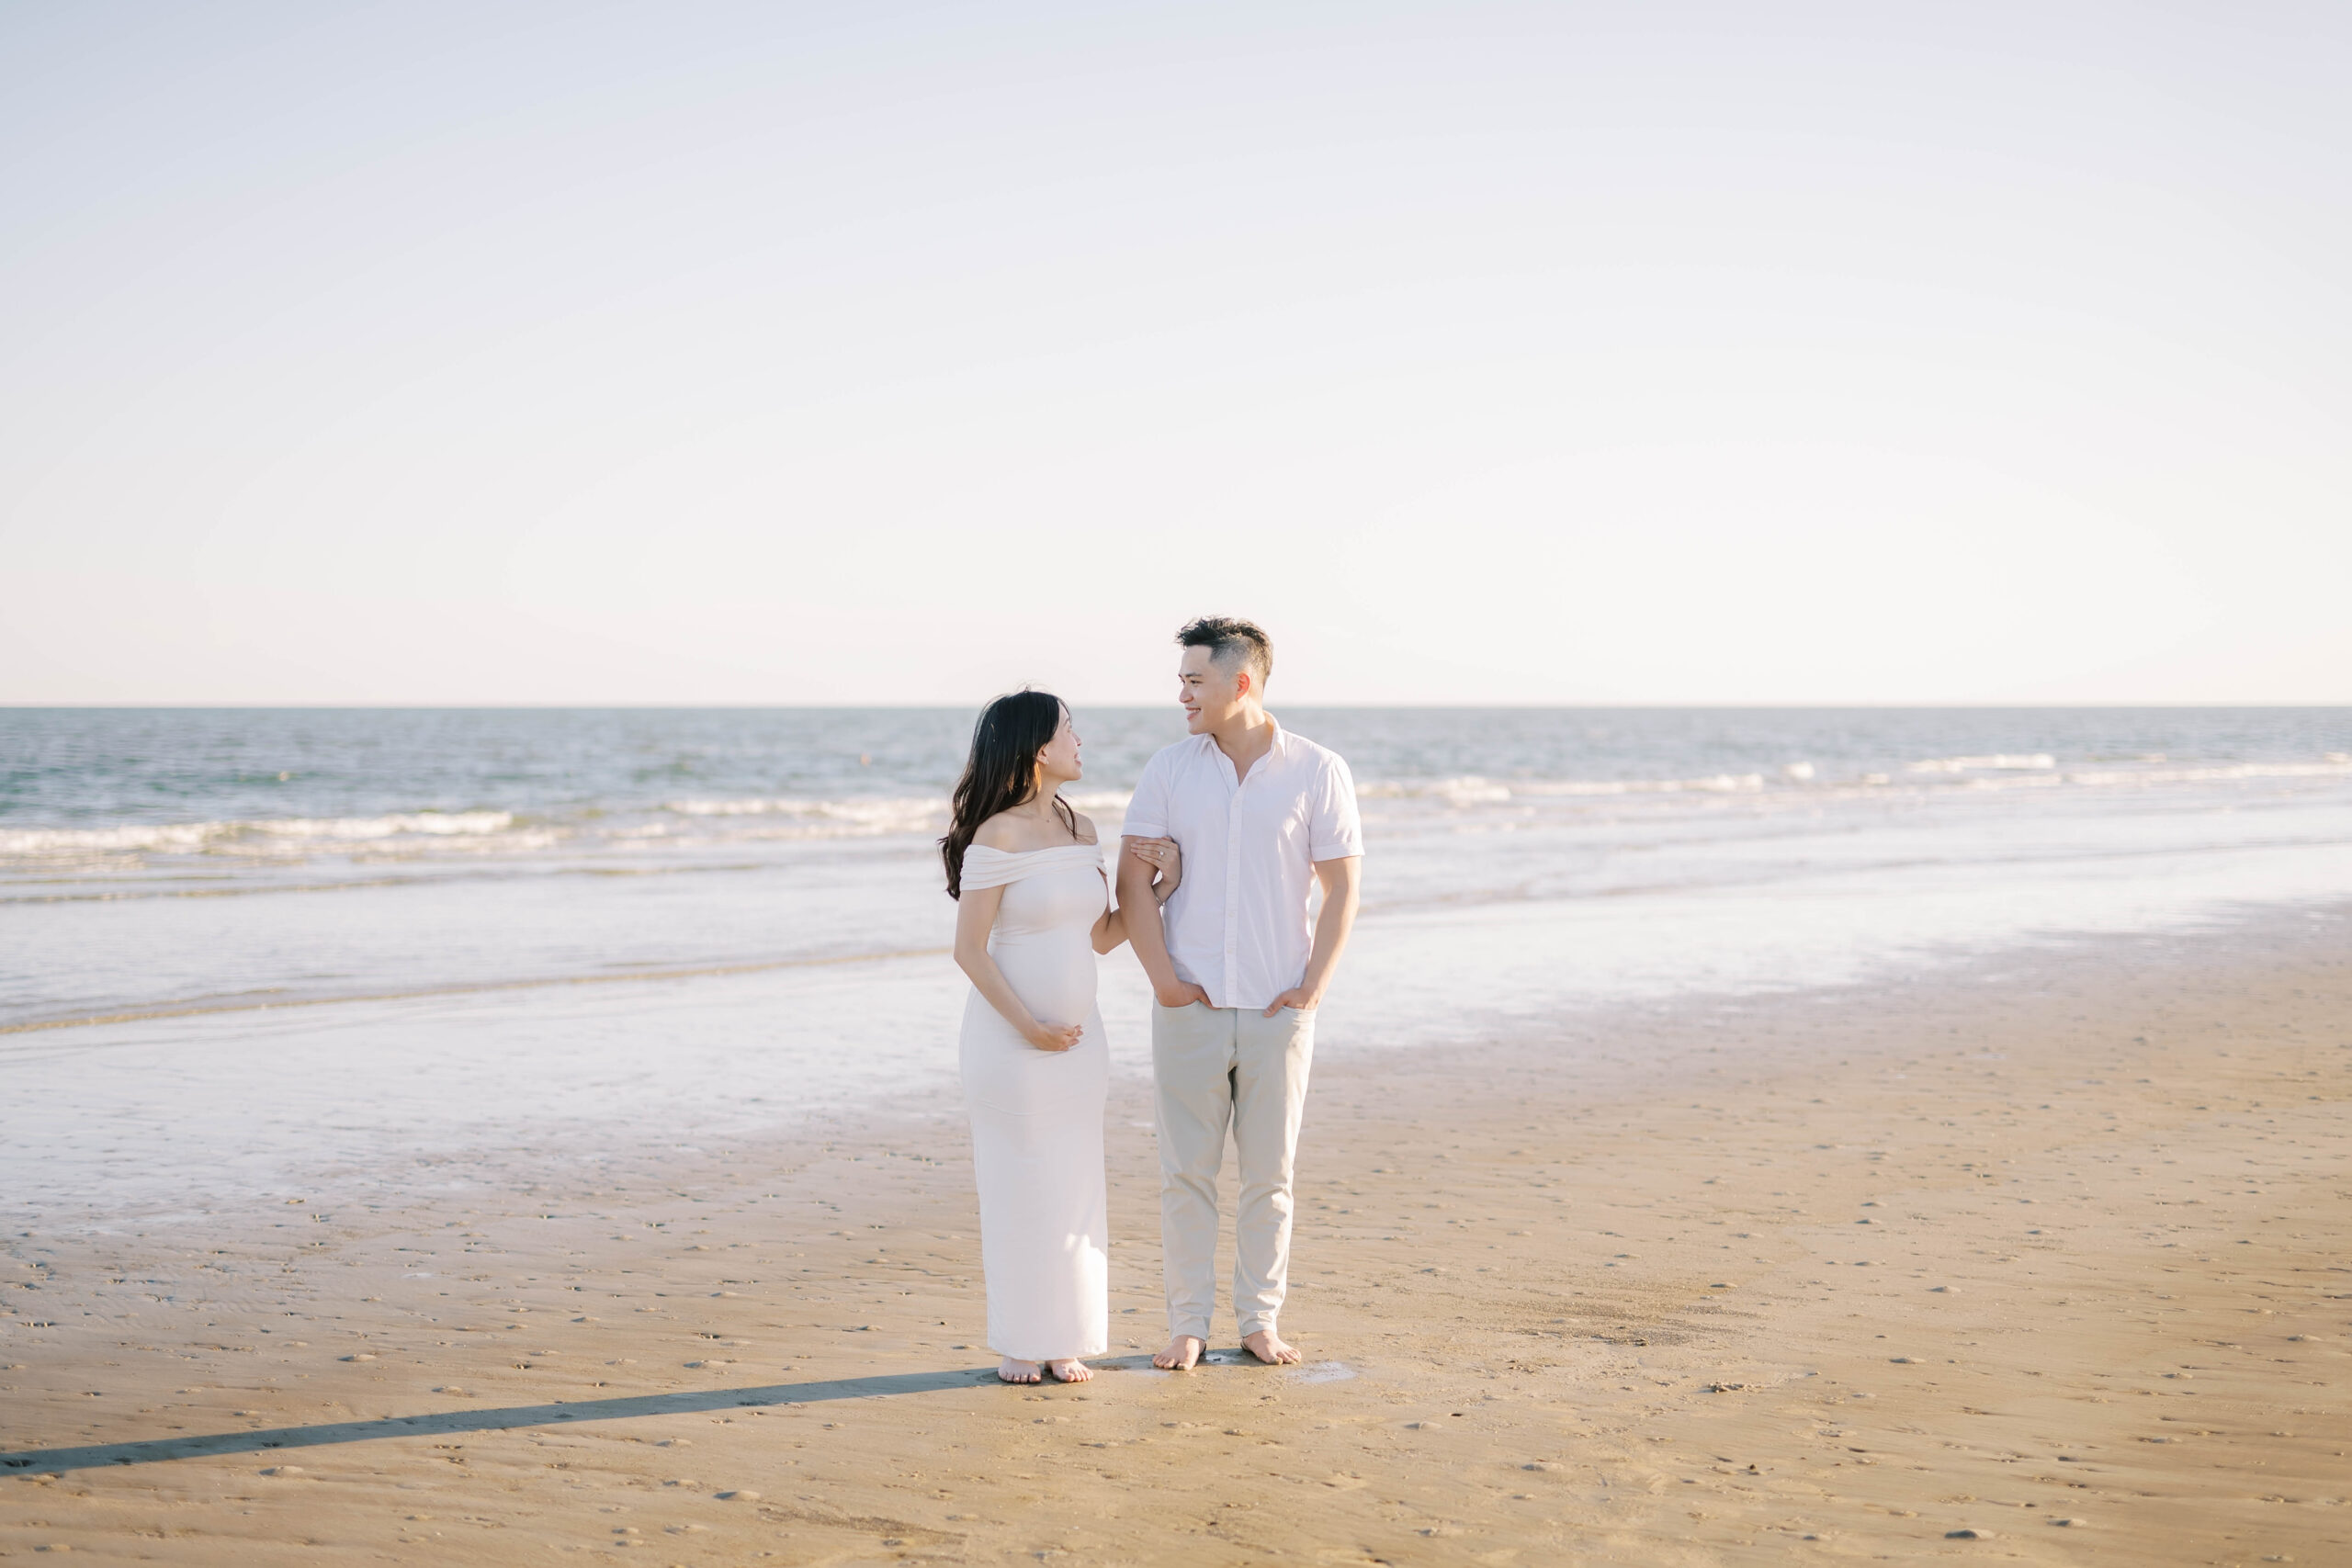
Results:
x,y
1070,1371
1183,1354
1012,1371
1269,1347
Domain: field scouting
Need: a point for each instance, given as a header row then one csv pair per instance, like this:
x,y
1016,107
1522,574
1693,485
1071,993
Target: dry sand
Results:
x,y
2058,1251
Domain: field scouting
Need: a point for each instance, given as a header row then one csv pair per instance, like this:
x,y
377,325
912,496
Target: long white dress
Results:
x,y
1038,1115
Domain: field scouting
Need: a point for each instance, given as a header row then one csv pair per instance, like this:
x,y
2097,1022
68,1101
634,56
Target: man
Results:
x,y
1237,968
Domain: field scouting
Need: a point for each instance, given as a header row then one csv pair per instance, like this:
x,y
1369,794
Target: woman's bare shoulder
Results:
x,y
1019,833
1003,832
1086,832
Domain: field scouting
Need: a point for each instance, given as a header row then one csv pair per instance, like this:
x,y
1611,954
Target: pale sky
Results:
x,y
893,352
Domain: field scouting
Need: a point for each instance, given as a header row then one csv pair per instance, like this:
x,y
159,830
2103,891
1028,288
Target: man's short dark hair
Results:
x,y
1231,640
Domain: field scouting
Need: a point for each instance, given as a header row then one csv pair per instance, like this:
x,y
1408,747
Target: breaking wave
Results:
x,y
792,816
2002,762
715,821
300,835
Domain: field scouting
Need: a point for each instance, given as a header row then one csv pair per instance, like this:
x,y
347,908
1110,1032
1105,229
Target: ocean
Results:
x,y
250,950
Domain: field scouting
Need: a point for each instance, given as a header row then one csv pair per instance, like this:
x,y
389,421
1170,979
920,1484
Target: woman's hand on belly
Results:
x,y
1056,1037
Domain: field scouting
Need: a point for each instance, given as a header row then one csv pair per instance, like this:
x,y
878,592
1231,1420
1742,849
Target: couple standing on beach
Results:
x,y
1228,836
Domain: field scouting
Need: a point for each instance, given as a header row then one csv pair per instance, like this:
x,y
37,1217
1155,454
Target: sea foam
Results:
x,y
250,837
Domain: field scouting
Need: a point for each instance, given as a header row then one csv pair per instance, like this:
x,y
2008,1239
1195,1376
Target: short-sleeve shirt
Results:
x,y
1238,925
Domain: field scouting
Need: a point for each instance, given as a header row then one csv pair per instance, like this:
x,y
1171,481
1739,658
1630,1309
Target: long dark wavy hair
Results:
x,y
1001,772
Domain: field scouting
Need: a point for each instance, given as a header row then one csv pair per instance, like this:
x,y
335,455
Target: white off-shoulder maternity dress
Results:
x,y
1038,1115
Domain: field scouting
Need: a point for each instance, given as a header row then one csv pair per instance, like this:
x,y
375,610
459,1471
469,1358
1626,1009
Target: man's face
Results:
x,y
1209,691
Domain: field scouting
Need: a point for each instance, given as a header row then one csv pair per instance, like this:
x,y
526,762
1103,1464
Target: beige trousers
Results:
x,y
1214,1068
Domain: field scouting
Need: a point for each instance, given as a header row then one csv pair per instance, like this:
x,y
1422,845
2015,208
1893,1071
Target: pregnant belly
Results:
x,y
1054,979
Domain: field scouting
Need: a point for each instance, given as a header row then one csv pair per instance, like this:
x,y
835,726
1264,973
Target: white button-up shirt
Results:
x,y
1238,925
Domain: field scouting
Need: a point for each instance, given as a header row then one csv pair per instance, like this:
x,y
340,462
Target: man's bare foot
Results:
x,y
1012,1371
1269,1347
1183,1354
1070,1371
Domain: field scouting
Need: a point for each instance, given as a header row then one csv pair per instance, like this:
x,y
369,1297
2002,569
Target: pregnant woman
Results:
x,y
1033,909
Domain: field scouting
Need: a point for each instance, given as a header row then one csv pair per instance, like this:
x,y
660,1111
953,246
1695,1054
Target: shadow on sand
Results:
x,y
56,1461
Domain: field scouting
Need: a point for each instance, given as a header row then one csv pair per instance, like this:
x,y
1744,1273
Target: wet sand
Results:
x,y
2057,1250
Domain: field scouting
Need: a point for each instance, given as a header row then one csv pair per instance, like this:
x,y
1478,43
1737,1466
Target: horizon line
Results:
x,y
911,707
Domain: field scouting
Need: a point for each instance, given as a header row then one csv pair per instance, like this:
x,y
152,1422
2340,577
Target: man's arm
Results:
x,y
1338,878
1146,934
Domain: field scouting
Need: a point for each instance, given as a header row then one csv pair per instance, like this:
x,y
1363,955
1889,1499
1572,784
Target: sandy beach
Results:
x,y
2049,1248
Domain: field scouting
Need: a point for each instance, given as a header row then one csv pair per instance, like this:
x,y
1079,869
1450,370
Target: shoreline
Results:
x,y
267,1085
1635,1305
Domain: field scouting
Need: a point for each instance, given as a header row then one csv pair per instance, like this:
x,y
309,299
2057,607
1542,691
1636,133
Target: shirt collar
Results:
x,y
1281,746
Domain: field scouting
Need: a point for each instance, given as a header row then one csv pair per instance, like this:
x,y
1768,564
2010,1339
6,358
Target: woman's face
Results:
x,y
1058,762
